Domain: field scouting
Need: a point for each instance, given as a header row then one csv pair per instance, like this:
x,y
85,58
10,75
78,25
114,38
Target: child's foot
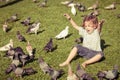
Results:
x,y
84,65
63,64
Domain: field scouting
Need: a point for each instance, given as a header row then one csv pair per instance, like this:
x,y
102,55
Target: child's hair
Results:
x,y
91,18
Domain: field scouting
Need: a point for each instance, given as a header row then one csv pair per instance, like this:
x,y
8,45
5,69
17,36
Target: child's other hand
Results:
x,y
67,16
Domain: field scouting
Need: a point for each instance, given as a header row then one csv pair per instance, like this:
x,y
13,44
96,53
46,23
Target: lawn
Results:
x,y
52,22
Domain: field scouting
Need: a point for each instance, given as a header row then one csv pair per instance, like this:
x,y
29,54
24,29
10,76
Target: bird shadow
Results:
x,y
10,3
40,31
104,45
54,48
34,51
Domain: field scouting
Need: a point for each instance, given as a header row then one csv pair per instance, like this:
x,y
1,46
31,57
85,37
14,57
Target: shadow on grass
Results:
x,y
10,3
104,45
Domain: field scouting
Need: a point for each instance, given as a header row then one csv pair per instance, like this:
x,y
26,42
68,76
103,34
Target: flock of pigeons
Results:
x,y
19,58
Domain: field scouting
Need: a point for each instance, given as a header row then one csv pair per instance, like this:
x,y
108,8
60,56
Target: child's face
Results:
x,y
89,27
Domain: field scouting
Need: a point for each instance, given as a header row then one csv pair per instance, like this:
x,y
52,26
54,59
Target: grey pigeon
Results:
x,y
43,4
13,18
9,69
20,37
24,59
9,78
81,7
22,71
43,65
26,22
101,75
112,74
55,74
49,46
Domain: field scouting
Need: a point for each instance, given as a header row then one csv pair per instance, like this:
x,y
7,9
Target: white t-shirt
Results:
x,y
91,41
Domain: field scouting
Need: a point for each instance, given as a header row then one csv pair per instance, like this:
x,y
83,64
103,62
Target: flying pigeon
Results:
x,y
5,27
63,33
43,65
73,10
71,75
7,46
20,37
49,46
34,28
13,18
94,6
111,6
26,22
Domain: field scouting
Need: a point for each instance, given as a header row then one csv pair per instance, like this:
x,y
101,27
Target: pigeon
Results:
x,y
80,7
5,27
55,74
24,59
16,59
71,75
73,10
43,4
49,46
94,6
112,74
7,46
34,28
29,49
22,71
63,33
13,18
9,69
101,75
26,22
43,65
110,7
66,2
20,37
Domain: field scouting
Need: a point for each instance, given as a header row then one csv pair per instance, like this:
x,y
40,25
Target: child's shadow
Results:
x,y
104,45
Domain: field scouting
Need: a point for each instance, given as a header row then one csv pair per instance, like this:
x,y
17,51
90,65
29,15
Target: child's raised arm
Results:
x,y
100,24
71,21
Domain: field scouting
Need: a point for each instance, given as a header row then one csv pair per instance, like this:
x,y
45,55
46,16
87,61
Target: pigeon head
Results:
x,y
67,27
101,74
18,32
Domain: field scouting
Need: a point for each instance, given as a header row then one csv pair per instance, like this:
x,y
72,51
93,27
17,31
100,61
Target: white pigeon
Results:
x,y
7,46
110,7
73,10
63,33
35,29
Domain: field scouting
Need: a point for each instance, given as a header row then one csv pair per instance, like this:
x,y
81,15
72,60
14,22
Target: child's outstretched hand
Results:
x,y
67,16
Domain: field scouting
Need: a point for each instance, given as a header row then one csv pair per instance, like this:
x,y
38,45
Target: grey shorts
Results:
x,y
87,53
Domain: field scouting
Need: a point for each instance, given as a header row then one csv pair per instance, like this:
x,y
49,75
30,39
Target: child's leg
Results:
x,y
70,57
92,60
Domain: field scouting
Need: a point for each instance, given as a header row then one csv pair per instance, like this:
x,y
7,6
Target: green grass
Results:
x,y
52,21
